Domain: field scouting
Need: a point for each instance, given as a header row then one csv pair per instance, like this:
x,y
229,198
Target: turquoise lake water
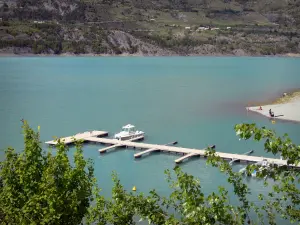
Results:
x,y
193,100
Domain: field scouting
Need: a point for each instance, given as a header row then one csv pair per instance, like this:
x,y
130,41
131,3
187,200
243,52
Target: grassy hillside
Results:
x,y
151,27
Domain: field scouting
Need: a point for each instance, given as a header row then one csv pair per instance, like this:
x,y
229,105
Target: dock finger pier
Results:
x,y
143,149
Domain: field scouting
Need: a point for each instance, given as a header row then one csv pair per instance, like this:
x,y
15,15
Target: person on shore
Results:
x,y
271,113
260,108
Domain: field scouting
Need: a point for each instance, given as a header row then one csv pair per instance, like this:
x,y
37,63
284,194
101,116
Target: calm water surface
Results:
x,y
193,100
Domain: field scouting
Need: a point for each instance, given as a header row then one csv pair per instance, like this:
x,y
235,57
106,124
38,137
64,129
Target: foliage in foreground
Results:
x,y
44,188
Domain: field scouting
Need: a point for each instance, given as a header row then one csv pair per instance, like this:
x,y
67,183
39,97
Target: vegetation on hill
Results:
x,y
165,27
45,187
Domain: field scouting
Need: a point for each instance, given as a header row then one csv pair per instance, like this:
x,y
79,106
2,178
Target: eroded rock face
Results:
x,y
7,37
132,45
22,37
46,9
16,51
205,49
239,52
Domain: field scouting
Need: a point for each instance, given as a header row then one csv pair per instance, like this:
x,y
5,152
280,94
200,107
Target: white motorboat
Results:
x,y
128,132
264,164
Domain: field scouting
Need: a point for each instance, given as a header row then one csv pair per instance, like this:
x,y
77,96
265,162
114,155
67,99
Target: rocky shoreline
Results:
x,y
10,54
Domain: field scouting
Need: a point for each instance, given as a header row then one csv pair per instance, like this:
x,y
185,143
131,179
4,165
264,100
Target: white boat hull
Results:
x,y
123,138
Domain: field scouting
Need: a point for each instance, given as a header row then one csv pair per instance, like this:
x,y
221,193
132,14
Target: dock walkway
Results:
x,y
95,136
138,155
70,139
103,150
185,157
200,152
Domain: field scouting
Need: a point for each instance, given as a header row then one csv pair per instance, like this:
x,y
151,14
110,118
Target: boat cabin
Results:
x,y
129,128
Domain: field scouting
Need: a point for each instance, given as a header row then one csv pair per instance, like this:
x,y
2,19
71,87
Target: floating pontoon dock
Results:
x,y
138,155
97,137
103,150
79,136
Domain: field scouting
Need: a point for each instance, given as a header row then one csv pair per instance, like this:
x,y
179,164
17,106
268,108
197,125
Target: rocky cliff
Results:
x,y
150,27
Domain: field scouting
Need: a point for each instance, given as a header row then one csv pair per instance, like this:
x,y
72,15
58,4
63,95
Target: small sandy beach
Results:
x,y
285,108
